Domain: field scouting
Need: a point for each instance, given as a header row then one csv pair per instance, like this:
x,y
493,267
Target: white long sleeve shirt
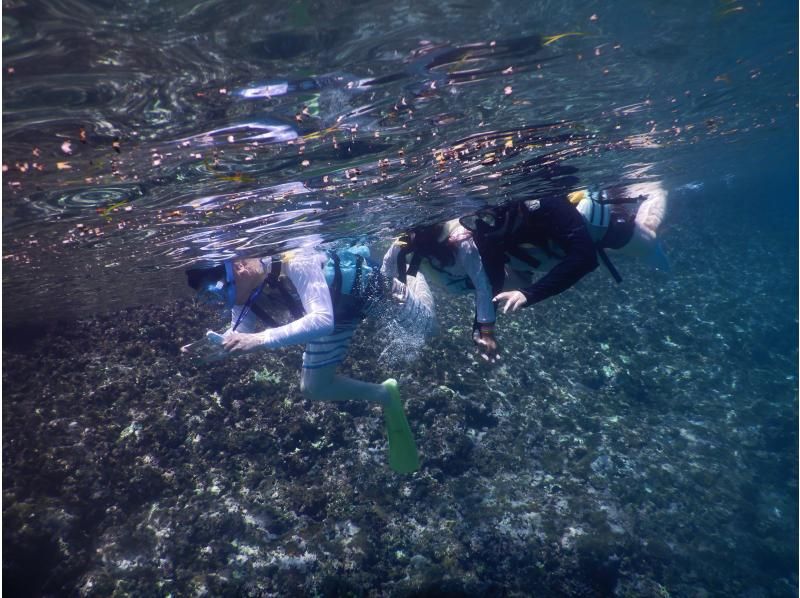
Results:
x,y
465,275
305,271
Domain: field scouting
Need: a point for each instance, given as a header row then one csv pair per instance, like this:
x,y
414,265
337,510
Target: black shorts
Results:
x,y
620,228
351,308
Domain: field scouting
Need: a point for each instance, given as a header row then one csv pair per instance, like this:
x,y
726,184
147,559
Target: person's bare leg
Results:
x,y
650,215
653,209
320,382
324,384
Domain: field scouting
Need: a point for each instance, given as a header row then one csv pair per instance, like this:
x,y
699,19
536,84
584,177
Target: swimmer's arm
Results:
x,y
469,259
389,267
308,278
569,232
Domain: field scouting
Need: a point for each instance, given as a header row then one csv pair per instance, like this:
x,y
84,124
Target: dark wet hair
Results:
x,y
425,240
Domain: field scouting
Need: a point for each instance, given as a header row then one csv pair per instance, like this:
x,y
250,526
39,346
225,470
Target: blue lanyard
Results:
x,y
246,309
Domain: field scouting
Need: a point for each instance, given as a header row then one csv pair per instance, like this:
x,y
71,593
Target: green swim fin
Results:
x,y
402,448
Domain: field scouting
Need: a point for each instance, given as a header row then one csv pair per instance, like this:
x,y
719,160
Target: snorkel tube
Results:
x,y
230,299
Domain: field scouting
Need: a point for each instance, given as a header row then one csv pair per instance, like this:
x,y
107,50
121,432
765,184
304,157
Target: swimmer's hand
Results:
x,y
240,342
510,301
399,291
206,350
483,336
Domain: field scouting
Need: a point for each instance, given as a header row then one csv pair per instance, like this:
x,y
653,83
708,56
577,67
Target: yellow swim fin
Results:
x,y
403,456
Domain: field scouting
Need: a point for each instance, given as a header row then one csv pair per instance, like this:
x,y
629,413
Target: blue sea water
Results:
x,y
636,440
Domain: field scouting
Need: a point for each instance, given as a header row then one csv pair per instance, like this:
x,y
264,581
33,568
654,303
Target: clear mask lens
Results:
x,y
483,219
214,294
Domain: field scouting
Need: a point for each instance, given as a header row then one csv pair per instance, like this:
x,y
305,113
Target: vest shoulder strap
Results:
x,y
274,272
336,287
274,282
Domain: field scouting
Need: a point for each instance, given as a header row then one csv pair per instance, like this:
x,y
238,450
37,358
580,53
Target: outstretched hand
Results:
x,y
510,301
240,342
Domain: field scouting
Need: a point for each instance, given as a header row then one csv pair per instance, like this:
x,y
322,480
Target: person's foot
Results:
x,y
403,456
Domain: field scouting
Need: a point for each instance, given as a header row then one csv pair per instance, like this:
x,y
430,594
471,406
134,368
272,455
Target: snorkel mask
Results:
x,y
501,220
482,221
214,285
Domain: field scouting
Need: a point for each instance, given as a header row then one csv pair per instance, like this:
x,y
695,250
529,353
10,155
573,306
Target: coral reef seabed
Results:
x,y
648,452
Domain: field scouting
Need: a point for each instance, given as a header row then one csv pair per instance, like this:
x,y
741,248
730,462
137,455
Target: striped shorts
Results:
x,y
329,350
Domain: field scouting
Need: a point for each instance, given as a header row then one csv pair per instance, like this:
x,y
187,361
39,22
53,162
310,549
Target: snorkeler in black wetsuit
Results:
x,y
523,252
563,235
527,235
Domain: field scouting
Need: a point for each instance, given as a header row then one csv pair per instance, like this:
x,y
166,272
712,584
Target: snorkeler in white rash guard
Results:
x,y
317,299
447,256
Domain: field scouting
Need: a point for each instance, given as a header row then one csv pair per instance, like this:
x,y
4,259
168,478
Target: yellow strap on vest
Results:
x,y
576,196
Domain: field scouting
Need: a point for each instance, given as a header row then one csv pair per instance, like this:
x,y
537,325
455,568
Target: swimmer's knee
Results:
x,y
645,233
651,214
312,386
311,391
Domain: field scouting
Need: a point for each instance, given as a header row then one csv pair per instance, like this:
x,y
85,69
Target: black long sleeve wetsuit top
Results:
x,y
553,226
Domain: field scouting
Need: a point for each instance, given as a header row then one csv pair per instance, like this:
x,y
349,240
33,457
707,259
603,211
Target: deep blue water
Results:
x,y
669,404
